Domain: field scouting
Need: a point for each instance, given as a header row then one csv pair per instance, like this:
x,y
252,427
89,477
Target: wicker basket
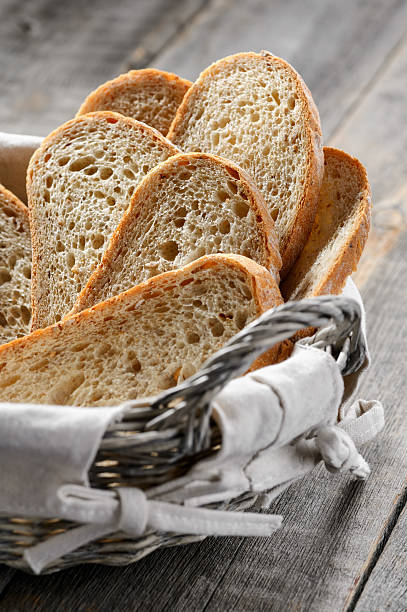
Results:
x,y
159,439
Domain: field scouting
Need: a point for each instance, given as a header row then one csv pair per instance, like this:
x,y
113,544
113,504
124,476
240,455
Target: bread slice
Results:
x,y
254,109
189,206
142,341
339,233
79,184
15,267
148,95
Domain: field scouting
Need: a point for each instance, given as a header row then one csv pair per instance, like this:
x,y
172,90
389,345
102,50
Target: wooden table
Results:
x,y
343,544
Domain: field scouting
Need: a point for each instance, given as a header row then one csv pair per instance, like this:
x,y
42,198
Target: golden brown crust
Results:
x,y
333,280
49,141
104,97
296,238
265,292
255,200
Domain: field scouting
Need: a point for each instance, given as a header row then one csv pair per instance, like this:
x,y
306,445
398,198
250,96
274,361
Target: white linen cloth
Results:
x,y
276,423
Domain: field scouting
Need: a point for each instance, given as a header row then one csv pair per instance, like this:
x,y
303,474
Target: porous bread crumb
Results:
x,y
79,184
188,206
15,267
148,95
255,110
142,341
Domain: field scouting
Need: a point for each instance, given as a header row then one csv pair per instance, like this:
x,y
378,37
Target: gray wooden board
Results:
x,y
338,47
327,555
52,54
390,570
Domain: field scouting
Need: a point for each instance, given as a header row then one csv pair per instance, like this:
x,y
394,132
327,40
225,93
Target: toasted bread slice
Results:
x,y
15,267
339,233
79,184
188,206
142,341
255,110
148,95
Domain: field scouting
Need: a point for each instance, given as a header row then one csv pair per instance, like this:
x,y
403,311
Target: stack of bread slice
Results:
x,y
151,249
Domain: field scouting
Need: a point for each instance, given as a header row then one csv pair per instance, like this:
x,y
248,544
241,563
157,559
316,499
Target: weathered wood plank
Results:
x,y
338,47
386,588
52,54
376,133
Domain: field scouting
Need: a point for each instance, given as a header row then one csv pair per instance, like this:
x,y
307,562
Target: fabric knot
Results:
x,y
133,511
339,453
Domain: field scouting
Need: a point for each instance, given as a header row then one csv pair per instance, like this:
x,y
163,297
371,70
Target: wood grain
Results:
x,y
376,132
391,571
52,54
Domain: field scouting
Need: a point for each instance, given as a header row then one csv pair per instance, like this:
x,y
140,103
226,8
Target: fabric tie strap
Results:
x,y
133,514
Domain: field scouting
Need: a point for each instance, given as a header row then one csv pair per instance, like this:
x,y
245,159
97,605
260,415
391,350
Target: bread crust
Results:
x,y
51,139
265,292
106,93
255,200
296,237
346,262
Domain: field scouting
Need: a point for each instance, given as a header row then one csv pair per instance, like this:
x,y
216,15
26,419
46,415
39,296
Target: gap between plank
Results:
x,y
386,533
366,89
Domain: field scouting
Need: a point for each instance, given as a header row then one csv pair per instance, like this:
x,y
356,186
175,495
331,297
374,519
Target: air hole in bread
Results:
x,y
192,337
222,195
3,321
90,171
46,195
98,241
111,120
47,157
12,260
254,117
134,363
60,247
276,97
241,318
169,250
80,164
215,138
25,314
105,173
110,201
232,187
216,327
240,209
5,276
224,226
9,381
27,271
179,222
129,174
49,181
70,260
